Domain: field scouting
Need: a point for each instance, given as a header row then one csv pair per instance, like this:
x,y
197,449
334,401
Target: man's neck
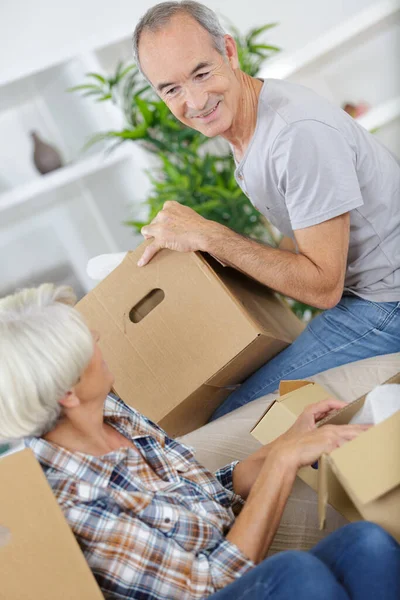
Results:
x,y
244,124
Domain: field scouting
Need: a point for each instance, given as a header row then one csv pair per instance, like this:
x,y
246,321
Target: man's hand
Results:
x,y
179,228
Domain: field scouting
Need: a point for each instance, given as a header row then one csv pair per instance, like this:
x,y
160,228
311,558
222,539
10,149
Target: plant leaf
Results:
x,y
97,76
85,86
254,33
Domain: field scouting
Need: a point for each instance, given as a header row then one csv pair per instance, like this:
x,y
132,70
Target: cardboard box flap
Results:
x,y
246,362
290,385
278,421
301,393
260,303
369,466
302,396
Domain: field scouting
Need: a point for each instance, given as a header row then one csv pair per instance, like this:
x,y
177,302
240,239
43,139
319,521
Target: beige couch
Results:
x,y
228,439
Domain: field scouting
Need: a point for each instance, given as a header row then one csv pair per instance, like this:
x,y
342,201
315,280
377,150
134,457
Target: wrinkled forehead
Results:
x,y
175,49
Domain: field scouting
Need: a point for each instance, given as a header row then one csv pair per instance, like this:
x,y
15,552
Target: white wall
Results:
x,y
36,34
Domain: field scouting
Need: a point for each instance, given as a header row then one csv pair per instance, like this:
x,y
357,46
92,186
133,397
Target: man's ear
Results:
x,y
231,51
70,400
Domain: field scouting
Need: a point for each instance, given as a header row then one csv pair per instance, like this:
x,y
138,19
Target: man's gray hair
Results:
x,y
45,346
159,15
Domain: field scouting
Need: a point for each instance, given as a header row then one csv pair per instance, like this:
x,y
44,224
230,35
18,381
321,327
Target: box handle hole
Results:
x,y
146,305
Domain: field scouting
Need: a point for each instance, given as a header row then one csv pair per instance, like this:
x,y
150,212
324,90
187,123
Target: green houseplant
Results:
x,y
193,170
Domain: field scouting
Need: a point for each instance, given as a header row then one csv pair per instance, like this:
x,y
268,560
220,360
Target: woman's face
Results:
x,y
96,381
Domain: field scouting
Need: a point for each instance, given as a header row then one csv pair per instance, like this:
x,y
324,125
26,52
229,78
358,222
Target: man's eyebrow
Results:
x,y
201,65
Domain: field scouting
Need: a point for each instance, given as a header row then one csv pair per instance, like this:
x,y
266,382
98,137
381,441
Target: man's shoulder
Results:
x,y
291,103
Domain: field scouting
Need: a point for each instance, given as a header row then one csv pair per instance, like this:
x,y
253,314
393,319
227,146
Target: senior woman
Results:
x,y
151,521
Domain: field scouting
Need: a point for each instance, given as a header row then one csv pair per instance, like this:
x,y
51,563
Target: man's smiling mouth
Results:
x,y
209,112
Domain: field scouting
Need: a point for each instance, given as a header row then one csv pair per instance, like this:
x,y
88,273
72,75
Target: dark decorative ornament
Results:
x,y
45,157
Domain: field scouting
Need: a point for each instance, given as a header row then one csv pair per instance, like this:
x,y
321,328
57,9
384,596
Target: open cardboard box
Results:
x,y
362,478
39,556
180,333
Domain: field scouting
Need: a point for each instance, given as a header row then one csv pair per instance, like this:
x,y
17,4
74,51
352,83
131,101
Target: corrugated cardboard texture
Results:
x,y
191,336
377,450
41,559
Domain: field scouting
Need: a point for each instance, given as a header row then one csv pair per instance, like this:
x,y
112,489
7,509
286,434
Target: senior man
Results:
x,y
319,177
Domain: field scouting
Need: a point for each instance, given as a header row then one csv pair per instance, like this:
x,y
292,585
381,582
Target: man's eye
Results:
x,y
171,91
202,75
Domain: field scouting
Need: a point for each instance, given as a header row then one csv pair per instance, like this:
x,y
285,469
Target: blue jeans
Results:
x,y
354,329
359,562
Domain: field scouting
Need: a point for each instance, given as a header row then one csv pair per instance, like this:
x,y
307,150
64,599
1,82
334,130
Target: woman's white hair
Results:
x,y
45,346
160,15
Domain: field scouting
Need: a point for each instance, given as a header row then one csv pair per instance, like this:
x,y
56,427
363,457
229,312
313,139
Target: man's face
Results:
x,y
198,85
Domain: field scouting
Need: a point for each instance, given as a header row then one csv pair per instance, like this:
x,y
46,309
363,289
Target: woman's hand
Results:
x,y
314,413
268,475
306,448
304,442
247,471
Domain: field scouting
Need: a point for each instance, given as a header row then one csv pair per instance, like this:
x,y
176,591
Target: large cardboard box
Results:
x,y
362,478
180,333
39,556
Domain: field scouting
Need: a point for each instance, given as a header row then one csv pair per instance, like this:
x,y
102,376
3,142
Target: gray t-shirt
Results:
x,y
309,161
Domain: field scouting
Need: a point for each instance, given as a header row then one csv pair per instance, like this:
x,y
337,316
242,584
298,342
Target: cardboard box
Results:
x,y
362,478
180,333
39,556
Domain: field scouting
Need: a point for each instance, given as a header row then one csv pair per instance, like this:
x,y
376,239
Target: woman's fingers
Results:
x,y
326,439
321,409
349,432
337,435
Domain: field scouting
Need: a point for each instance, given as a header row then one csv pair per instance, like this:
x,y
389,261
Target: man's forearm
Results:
x,y
286,272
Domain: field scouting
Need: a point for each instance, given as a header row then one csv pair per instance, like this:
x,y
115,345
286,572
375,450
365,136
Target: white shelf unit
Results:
x,y
63,177
51,225
357,61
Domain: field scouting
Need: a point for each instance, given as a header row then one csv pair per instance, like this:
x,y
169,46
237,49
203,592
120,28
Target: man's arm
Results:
x,y
287,243
315,275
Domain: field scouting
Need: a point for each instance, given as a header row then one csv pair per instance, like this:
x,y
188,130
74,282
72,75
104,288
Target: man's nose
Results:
x,y
195,99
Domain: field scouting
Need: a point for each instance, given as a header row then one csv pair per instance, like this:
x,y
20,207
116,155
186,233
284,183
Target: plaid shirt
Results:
x,y
151,523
